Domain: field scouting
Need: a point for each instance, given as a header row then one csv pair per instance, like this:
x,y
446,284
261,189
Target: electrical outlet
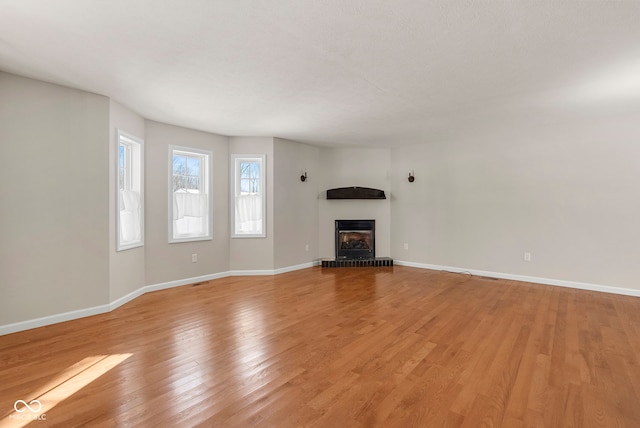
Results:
x,y
194,258
406,246
306,247
527,257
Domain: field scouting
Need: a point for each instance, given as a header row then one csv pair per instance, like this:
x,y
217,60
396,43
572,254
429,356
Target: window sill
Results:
x,y
190,239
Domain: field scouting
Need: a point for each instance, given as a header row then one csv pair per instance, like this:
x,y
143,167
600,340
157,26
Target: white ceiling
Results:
x,y
375,73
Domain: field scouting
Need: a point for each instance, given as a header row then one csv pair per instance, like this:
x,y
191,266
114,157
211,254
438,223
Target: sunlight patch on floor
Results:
x,y
35,406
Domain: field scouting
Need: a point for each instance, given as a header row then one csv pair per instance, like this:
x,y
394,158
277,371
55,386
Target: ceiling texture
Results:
x,y
358,73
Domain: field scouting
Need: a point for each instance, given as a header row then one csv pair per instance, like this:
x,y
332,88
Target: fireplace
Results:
x,y
355,239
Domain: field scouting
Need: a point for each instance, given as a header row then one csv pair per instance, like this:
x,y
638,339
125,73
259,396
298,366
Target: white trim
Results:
x,y
523,278
254,272
273,271
52,319
96,310
126,299
296,267
187,281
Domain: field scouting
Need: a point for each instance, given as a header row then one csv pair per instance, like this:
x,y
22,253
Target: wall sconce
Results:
x,y
411,178
303,177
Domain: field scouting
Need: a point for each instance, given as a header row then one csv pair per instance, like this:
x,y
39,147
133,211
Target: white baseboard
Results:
x,y
523,278
155,287
180,282
81,313
254,272
273,271
126,299
53,319
296,267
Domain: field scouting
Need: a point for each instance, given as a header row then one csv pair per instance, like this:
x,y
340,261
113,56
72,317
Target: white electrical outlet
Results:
x,y
527,257
406,246
306,247
194,258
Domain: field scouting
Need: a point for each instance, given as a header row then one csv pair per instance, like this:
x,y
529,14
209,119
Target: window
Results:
x,y
189,194
130,200
248,190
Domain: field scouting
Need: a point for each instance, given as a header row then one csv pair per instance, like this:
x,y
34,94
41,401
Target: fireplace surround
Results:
x,y
355,243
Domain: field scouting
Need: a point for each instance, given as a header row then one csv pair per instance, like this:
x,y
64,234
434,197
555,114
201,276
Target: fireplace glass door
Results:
x,y
355,239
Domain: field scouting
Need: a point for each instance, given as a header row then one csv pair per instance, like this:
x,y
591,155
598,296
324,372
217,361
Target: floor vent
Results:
x,y
200,283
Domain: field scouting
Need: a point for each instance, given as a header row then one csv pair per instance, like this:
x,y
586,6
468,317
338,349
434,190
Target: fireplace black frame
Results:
x,y
355,226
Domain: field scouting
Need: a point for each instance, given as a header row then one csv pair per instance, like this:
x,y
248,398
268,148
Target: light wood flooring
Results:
x,y
345,347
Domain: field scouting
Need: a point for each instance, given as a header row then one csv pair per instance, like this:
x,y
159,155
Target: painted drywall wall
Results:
x,y
126,268
166,262
354,167
54,227
295,203
567,194
254,253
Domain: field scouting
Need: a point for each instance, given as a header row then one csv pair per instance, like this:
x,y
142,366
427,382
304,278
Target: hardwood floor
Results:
x,y
390,347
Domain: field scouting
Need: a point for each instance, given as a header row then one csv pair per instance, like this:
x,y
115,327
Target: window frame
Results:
x,y
206,180
236,159
134,164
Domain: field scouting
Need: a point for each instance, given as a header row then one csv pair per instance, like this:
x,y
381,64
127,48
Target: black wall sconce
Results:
x,y
411,178
303,177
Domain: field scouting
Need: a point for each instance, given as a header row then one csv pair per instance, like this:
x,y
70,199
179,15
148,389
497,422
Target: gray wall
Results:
x,y
126,268
54,214
568,194
295,203
166,262
354,167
